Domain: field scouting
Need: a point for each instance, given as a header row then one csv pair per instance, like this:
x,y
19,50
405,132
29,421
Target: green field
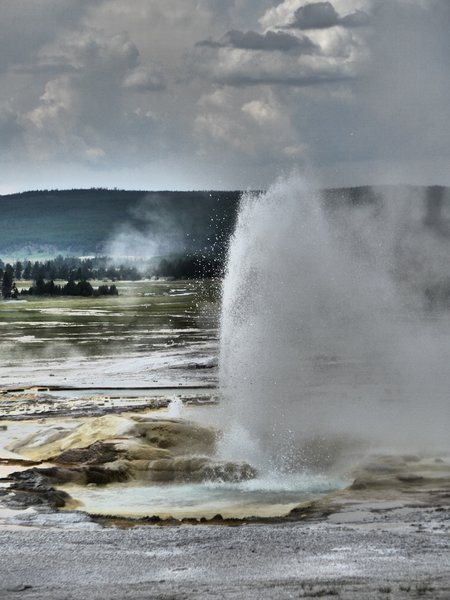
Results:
x,y
146,316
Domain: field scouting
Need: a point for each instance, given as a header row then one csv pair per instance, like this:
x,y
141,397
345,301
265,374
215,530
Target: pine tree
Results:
x,y
18,268
8,281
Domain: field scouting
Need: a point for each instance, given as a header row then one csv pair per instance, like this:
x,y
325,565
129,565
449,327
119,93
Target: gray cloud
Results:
x,y
9,132
323,15
269,41
96,92
359,18
319,15
284,79
27,26
81,114
144,80
245,63
406,85
209,44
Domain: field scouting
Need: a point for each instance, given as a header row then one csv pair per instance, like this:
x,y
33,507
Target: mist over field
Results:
x,y
42,224
116,223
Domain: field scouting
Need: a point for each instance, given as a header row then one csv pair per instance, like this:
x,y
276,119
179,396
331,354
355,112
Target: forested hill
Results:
x,y
42,224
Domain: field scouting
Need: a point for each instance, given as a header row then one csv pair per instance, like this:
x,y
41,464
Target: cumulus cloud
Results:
x,y
268,41
144,80
359,18
328,54
332,60
323,15
319,15
27,26
81,113
283,14
255,72
257,127
103,85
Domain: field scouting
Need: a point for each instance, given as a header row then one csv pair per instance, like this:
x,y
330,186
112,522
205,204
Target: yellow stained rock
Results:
x,y
50,442
134,439
180,437
136,450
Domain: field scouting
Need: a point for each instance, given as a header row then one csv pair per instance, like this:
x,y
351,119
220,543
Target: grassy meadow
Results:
x,y
147,315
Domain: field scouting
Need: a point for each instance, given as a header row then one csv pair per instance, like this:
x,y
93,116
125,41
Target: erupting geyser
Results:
x,y
328,339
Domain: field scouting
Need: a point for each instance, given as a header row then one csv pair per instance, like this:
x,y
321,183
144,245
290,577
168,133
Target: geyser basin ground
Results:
x,y
172,339
350,544
149,464
153,466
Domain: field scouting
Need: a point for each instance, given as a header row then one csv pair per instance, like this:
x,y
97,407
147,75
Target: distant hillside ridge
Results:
x,y
36,225
85,222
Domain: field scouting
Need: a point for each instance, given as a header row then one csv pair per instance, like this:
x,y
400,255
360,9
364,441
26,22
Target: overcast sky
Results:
x,y
223,94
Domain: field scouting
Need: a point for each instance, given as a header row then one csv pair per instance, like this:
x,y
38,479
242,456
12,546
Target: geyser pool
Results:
x,y
260,498
326,345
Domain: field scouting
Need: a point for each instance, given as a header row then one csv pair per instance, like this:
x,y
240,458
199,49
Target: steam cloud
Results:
x,y
324,331
151,230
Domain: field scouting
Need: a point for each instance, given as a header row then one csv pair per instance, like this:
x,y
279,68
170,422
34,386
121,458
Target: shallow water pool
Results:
x,y
270,496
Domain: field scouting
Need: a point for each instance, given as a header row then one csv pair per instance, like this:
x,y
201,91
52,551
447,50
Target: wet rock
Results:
x,y
103,476
97,453
229,471
55,475
19,500
104,458
359,484
135,450
39,479
196,470
180,437
32,487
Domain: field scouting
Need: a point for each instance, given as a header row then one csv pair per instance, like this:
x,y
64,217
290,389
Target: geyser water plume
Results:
x,y
324,342
175,408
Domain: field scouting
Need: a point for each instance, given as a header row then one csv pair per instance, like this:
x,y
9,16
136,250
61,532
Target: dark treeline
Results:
x,y
71,288
41,287
101,268
78,271
70,269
